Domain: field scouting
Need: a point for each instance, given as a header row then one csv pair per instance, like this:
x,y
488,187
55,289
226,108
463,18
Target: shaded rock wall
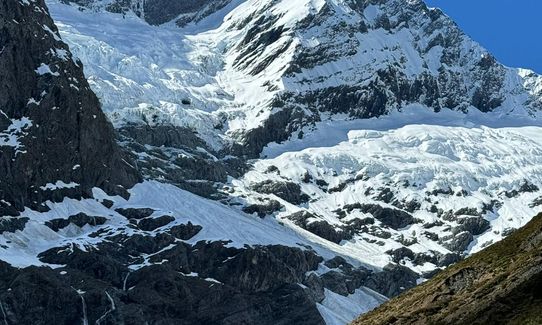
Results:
x,y
52,130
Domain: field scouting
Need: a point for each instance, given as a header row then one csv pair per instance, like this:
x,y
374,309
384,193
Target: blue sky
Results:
x,y
510,29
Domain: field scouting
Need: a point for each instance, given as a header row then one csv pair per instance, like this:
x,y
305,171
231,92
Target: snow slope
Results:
x,y
338,310
21,248
218,221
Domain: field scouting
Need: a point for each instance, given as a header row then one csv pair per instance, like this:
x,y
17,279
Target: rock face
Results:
x,y
499,285
205,283
161,11
54,139
180,157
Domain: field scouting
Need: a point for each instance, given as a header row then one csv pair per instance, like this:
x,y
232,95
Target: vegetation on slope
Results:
x,y
499,285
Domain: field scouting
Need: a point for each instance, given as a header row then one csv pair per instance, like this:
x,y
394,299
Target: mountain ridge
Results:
x,y
389,65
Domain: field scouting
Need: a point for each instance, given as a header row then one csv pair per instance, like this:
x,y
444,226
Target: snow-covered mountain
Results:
x,y
262,70
346,151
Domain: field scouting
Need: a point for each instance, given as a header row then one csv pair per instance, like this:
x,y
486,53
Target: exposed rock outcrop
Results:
x,y
157,12
288,191
264,208
150,224
392,218
80,220
177,155
321,228
135,213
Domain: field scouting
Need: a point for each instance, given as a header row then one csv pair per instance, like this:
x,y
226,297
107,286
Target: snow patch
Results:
x,y
340,310
58,185
11,136
44,69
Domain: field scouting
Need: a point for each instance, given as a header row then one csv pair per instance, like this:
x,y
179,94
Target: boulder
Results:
x,y
393,280
80,220
185,232
392,218
290,192
265,208
475,225
135,213
319,227
459,242
150,223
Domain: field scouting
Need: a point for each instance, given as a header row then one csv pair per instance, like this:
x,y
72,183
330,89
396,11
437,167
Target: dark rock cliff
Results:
x,y
52,130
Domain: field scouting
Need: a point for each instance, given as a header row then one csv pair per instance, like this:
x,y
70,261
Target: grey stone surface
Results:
x,y
79,220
